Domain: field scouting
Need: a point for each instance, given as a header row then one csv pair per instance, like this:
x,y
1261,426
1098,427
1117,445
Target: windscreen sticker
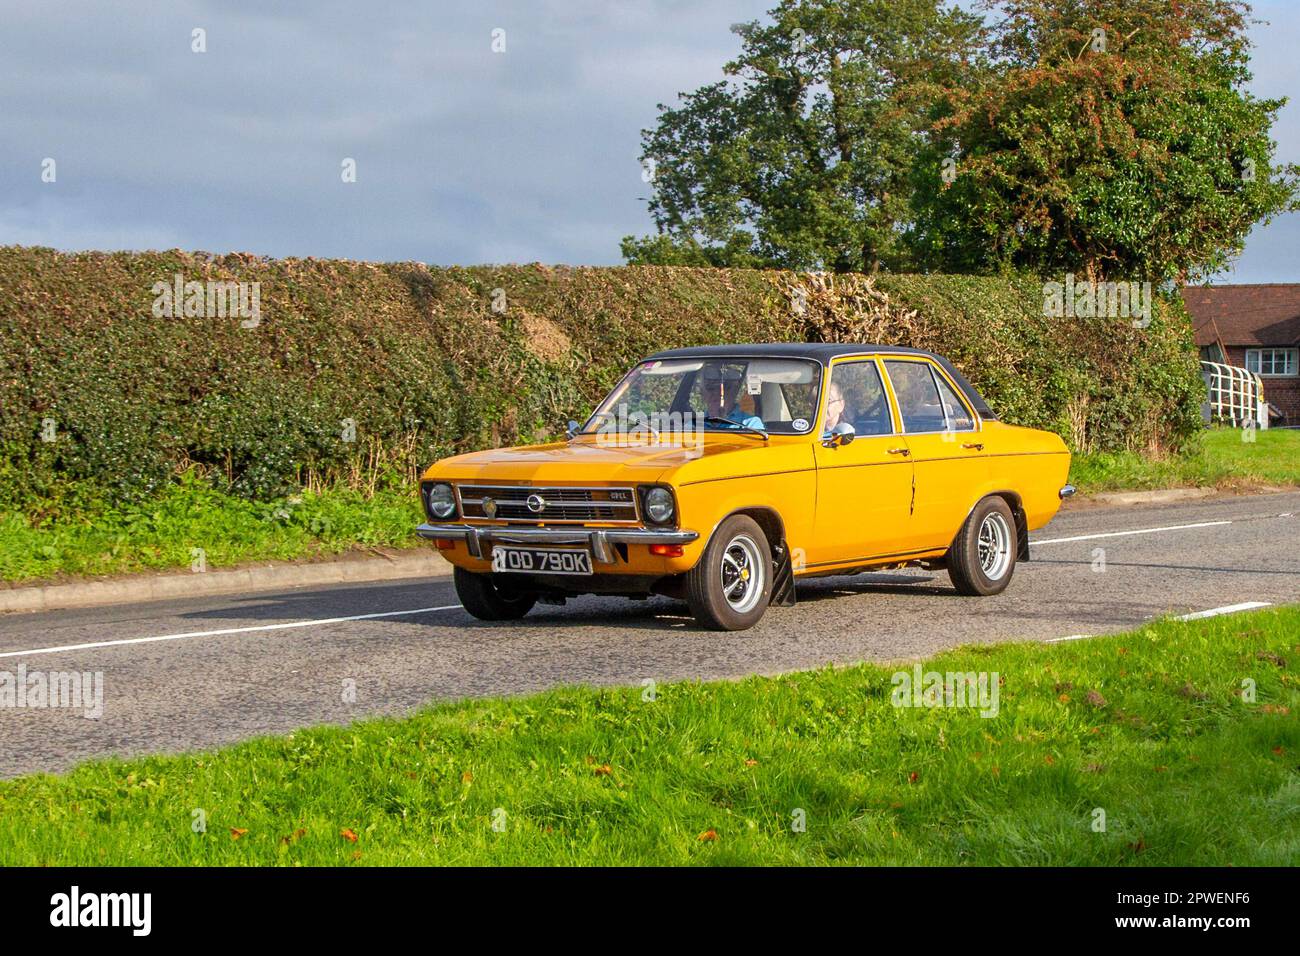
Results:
x,y
800,424
754,384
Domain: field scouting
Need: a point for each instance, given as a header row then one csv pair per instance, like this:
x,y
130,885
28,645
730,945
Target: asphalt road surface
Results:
x,y
194,674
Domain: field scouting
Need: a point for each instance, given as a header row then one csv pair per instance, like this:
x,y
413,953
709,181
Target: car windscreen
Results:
x,y
775,395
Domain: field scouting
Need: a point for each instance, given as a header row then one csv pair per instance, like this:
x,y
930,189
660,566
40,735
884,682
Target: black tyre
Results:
x,y
982,557
731,586
486,601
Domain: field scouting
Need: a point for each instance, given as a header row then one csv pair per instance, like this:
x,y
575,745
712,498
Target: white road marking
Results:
x,y
1121,534
1226,609
1212,612
226,630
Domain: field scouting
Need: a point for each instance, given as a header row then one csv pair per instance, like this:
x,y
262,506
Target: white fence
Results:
x,y
1234,395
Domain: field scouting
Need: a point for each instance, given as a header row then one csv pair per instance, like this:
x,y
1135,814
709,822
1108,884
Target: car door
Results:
x,y
864,487
943,436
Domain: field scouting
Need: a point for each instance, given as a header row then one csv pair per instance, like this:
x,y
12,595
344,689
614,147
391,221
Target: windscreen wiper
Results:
x,y
714,419
637,425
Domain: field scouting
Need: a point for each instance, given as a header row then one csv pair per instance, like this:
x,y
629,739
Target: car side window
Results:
x,y
954,409
856,395
918,397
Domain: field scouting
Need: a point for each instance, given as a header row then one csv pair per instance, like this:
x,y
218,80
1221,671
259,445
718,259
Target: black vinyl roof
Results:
x,y
819,351
823,352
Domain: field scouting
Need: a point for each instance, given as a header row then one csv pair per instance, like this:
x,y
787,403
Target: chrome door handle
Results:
x,y
900,451
976,445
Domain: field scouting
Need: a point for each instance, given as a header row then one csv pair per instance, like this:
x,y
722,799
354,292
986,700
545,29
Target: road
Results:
x,y
185,675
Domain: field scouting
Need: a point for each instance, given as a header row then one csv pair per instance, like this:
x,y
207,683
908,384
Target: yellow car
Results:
x,y
719,475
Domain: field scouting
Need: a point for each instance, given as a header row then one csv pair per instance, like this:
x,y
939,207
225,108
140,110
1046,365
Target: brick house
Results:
x,y
1256,327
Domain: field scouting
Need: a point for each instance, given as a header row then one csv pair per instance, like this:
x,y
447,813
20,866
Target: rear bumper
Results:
x,y
601,541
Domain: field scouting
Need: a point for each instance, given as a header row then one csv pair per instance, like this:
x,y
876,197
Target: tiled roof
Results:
x,y
1245,314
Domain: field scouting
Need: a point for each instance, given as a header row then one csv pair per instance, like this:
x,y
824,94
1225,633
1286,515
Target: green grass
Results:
x,y
1149,726
1222,460
163,533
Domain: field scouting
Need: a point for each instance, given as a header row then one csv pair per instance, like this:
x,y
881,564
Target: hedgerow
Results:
x,y
413,363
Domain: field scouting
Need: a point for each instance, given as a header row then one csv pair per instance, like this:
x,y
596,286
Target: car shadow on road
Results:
x,y
660,612
820,589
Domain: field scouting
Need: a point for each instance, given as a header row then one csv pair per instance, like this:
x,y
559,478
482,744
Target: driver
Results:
x,y
837,409
721,396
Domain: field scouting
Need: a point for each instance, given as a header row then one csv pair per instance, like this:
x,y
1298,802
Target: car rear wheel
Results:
x,y
730,587
487,602
982,557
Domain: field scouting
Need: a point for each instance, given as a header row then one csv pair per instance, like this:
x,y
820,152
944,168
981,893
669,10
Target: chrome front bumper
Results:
x,y
1066,492
600,540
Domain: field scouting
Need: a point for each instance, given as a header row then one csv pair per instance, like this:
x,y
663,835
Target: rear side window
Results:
x,y
958,417
918,397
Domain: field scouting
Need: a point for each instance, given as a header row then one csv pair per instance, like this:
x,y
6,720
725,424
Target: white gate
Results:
x,y
1235,395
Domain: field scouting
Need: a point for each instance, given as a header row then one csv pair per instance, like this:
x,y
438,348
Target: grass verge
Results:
x,y
1223,460
164,533
1149,727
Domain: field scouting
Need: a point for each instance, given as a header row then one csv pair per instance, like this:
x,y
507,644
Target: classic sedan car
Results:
x,y
720,475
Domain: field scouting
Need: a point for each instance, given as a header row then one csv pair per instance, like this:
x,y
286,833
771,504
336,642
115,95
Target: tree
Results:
x,y
803,158
1113,137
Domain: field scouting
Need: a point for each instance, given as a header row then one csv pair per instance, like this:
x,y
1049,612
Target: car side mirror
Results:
x,y
841,434
571,430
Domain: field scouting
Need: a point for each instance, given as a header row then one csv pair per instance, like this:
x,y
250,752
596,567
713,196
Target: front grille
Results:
x,y
556,504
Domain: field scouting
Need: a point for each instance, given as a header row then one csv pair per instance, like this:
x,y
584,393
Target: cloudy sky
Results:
x,y
463,155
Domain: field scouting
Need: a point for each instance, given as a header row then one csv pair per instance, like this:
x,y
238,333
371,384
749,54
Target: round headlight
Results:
x,y
442,502
659,505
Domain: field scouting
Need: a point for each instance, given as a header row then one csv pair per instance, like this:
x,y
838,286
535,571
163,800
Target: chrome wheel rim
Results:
x,y
994,546
742,573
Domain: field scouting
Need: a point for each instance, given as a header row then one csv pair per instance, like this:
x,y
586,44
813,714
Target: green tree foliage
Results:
x,y
1113,137
802,158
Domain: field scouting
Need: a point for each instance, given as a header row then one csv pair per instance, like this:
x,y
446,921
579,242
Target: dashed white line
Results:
x,y
1226,609
226,630
1196,616
1121,534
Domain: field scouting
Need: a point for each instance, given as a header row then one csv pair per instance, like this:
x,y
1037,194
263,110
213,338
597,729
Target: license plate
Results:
x,y
540,561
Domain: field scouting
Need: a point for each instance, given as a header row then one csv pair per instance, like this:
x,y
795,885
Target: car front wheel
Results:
x,y
729,589
983,555
486,601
